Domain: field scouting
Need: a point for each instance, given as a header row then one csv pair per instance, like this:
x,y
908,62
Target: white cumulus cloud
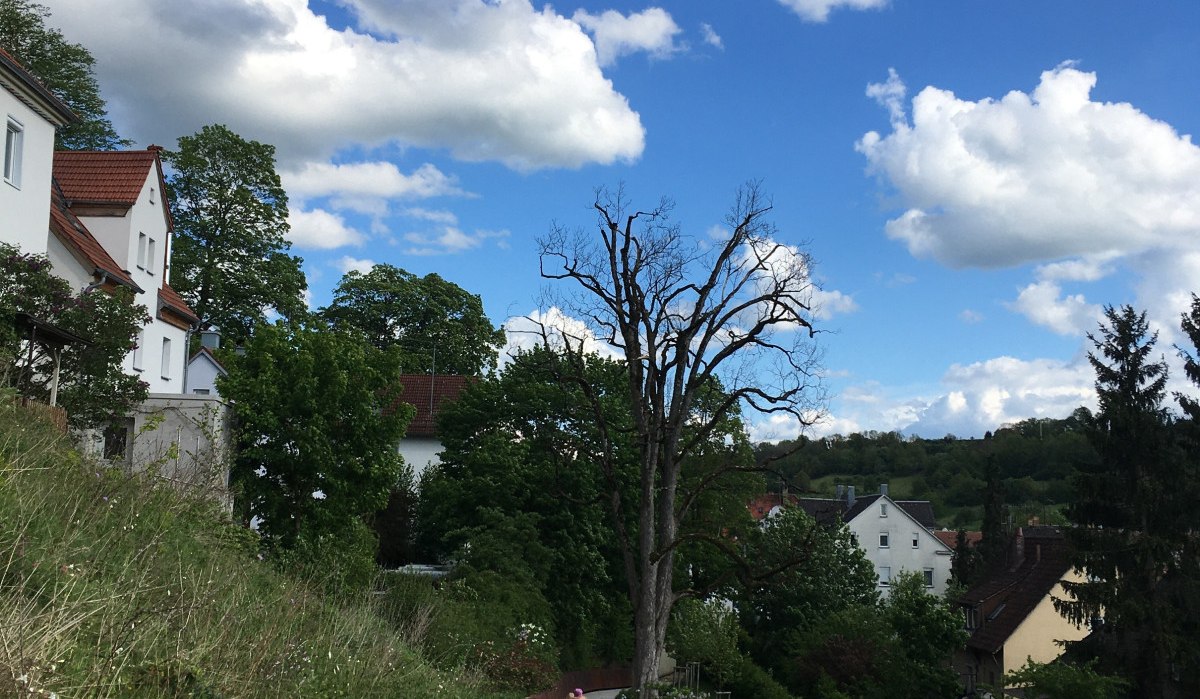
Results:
x,y
651,30
321,230
818,10
489,81
349,264
449,240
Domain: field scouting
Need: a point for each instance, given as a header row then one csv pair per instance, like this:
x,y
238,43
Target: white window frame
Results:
x,y
165,367
137,351
885,576
916,539
150,256
928,573
885,540
141,251
14,140
883,509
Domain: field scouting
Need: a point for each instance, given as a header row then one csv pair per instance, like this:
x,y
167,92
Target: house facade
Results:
x,y
896,536
427,393
31,115
118,197
1010,613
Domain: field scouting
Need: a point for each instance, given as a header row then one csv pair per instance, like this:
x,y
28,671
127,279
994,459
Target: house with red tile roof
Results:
x,y
119,232
30,115
428,393
1010,612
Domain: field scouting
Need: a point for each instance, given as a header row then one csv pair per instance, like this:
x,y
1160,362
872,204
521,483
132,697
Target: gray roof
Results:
x,y
830,510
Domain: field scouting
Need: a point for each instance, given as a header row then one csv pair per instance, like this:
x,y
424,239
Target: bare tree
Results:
x,y
735,311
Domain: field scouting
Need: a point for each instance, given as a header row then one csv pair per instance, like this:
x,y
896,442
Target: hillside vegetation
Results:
x,y
112,586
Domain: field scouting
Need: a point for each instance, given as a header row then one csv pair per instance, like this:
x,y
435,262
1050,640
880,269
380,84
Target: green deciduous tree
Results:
x,y
230,258
93,387
317,428
1131,523
436,324
685,315
65,68
1061,680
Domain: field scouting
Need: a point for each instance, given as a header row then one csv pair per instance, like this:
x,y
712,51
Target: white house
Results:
x,y
118,197
30,115
420,446
895,535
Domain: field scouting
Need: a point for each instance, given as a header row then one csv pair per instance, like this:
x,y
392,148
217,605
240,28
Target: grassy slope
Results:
x,y
112,587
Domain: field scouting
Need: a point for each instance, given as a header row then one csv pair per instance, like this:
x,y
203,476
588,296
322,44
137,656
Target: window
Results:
x,y
885,576
151,260
883,509
972,618
137,351
116,440
141,259
929,577
14,137
883,540
166,358
916,540
200,391
151,195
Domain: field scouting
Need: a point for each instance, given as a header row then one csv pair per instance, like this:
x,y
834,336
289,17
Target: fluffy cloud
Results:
x,y
1043,303
1030,177
450,240
349,264
818,10
711,37
380,180
321,230
651,30
970,400
525,333
489,81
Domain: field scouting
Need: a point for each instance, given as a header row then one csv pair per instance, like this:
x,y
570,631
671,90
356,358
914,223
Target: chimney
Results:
x,y
839,491
210,339
883,490
849,496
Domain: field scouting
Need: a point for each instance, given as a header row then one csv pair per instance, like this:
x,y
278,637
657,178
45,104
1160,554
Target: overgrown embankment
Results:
x,y
112,586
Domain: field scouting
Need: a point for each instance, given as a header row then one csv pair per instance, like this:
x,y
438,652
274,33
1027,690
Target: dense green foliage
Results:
x,y
1061,680
93,388
519,492
317,428
112,586
65,68
230,258
437,326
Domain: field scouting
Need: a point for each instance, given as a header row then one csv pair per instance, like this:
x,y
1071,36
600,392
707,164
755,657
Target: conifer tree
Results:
x,y
1131,524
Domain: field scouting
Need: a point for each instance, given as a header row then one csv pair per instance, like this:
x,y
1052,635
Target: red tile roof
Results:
x,y
73,234
428,394
103,177
170,299
1007,597
949,537
762,505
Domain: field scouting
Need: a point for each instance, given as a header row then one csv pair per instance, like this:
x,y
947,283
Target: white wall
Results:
x,y
25,210
419,453
202,374
119,235
900,555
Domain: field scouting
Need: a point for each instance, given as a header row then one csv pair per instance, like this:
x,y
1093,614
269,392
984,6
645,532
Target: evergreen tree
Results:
x,y
1131,524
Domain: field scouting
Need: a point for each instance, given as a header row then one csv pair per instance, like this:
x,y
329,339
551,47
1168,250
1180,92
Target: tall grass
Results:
x,y
117,586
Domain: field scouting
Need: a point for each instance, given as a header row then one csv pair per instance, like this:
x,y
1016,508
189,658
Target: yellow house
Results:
x,y
1010,614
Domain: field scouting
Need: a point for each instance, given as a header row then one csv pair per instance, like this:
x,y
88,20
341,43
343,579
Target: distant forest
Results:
x,y
1028,466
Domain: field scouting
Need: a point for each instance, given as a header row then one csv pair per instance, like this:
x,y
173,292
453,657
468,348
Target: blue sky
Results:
x,y
975,180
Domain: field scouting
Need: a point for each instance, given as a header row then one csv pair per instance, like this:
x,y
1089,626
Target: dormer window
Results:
x,y
14,139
